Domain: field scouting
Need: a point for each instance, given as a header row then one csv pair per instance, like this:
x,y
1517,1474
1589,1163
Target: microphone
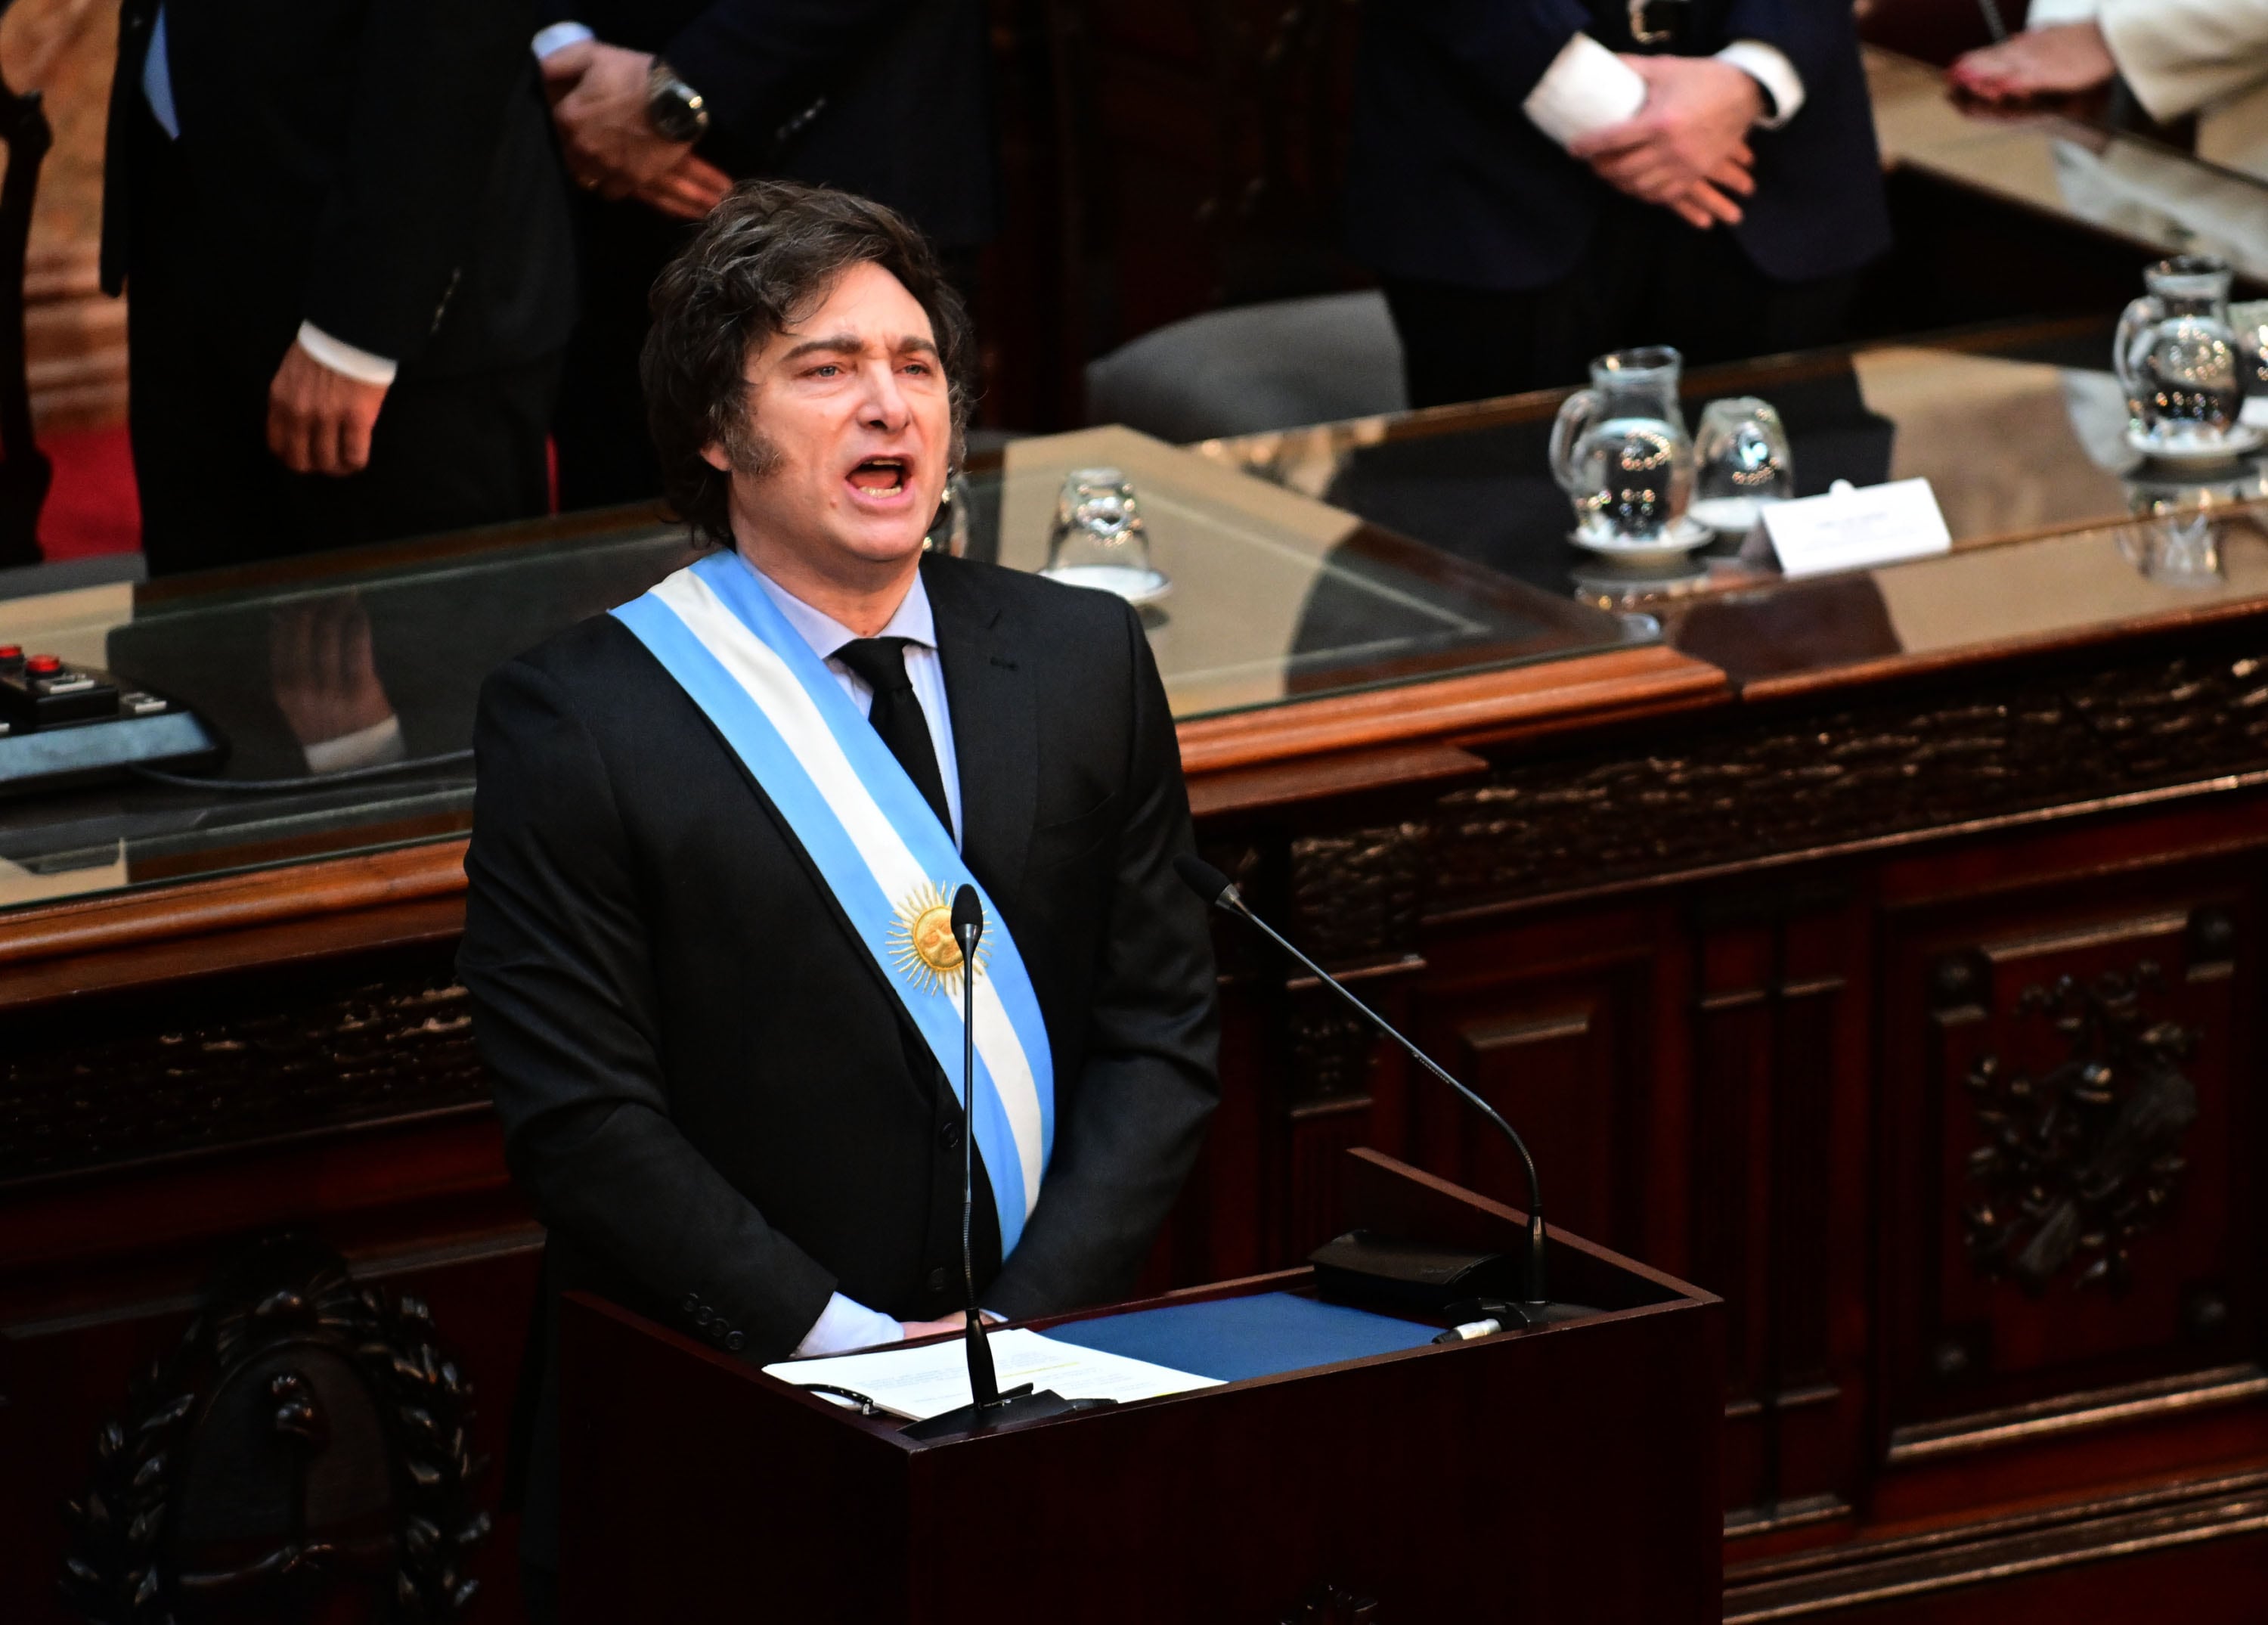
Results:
x,y
1219,892
968,926
989,1408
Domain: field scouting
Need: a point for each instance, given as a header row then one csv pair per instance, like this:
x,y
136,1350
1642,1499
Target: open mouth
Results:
x,y
879,477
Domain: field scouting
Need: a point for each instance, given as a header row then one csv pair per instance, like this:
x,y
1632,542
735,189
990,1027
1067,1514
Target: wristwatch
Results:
x,y
1657,22
673,108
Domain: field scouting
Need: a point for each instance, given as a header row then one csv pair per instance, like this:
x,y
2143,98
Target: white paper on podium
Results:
x,y
917,1384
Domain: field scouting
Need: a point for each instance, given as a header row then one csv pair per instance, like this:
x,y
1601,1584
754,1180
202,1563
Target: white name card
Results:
x,y
1850,529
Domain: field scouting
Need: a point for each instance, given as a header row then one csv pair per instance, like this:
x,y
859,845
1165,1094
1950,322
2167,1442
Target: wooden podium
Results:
x,y
1564,1475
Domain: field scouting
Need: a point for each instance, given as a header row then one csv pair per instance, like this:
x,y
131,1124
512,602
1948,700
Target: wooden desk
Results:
x,y
1730,952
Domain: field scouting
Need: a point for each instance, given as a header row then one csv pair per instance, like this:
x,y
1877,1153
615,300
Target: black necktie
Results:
x,y
880,663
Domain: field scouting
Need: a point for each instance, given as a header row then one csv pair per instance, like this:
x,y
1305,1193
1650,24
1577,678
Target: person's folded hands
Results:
x,y
1687,149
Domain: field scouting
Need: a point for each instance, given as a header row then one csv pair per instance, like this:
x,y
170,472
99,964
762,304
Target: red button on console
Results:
x,y
43,665
12,651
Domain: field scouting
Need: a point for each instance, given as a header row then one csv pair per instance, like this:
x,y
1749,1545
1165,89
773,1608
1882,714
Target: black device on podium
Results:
x,y
62,724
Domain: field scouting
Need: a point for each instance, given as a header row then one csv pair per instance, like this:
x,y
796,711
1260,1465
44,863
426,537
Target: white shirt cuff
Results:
x,y
366,747
1586,88
1769,66
340,357
846,1324
558,37
2049,13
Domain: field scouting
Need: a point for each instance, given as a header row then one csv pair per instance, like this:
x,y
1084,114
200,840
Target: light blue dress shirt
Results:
x,y
157,80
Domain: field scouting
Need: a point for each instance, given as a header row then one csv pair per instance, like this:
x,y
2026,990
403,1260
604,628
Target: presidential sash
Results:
x,y
881,849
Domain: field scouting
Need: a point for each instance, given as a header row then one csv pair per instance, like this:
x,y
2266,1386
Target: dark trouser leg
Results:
x,y
196,417
1468,344
1723,308
539,1594
605,454
447,453
1646,279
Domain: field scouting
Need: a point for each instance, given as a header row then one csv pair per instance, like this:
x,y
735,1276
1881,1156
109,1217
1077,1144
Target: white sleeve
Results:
x,y
2178,56
846,1324
1769,66
366,747
558,37
2049,13
1586,88
341,357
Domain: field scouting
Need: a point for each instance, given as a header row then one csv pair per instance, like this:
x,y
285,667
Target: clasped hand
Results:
x,y
1687,149
598,95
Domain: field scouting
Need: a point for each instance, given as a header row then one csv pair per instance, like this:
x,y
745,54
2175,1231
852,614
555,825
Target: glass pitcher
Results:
x,y
2176,358
1621,452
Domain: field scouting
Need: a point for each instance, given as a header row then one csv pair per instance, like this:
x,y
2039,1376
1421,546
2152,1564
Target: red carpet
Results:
x,y
93,506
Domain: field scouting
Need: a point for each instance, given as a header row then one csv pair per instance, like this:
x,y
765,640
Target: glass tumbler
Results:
x,y
1742,453
1098,539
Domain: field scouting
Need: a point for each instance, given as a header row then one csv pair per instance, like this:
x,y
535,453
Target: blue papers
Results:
x,y
1234,1338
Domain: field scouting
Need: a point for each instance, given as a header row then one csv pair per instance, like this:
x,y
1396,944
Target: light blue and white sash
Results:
x,y
877,843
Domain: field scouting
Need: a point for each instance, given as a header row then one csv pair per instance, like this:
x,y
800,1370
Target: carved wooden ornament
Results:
x,y
2077,1162
307,1437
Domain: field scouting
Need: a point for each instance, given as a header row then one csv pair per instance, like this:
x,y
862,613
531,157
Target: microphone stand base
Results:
x,y
1011,1410
1514,1316
1551,1314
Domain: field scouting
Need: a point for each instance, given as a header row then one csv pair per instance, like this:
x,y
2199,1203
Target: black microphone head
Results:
x,y
968,916
1201,878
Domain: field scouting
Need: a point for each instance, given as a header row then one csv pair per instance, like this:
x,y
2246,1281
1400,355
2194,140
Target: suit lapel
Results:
x,y
989,689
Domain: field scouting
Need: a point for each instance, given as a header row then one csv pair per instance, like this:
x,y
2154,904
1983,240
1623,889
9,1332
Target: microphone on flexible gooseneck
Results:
x,y
1217,889
989,1409
968,926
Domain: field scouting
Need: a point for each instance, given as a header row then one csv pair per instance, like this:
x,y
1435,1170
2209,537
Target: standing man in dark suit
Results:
x,y
1540,181
715,828
344,240
661,104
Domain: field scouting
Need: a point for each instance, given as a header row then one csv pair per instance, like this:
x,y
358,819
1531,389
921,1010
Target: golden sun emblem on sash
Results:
x,y
922,943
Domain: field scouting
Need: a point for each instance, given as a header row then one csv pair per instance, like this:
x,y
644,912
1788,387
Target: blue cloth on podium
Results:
x,y
1234,1338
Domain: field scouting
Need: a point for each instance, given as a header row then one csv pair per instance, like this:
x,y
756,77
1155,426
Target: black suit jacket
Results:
x,y
889,98
706,1085
381,168
1448,181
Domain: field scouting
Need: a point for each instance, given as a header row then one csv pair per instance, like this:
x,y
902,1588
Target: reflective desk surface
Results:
x,y
1275,598
1420,556
2060,531
2052,164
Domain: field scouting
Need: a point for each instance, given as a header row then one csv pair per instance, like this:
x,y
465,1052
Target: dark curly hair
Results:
x,y
764,260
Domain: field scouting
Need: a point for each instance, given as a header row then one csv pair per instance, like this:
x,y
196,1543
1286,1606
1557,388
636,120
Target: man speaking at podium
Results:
x,y
717,830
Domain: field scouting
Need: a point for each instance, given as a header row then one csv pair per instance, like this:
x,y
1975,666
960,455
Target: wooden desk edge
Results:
x,y
1616,686
1398,731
